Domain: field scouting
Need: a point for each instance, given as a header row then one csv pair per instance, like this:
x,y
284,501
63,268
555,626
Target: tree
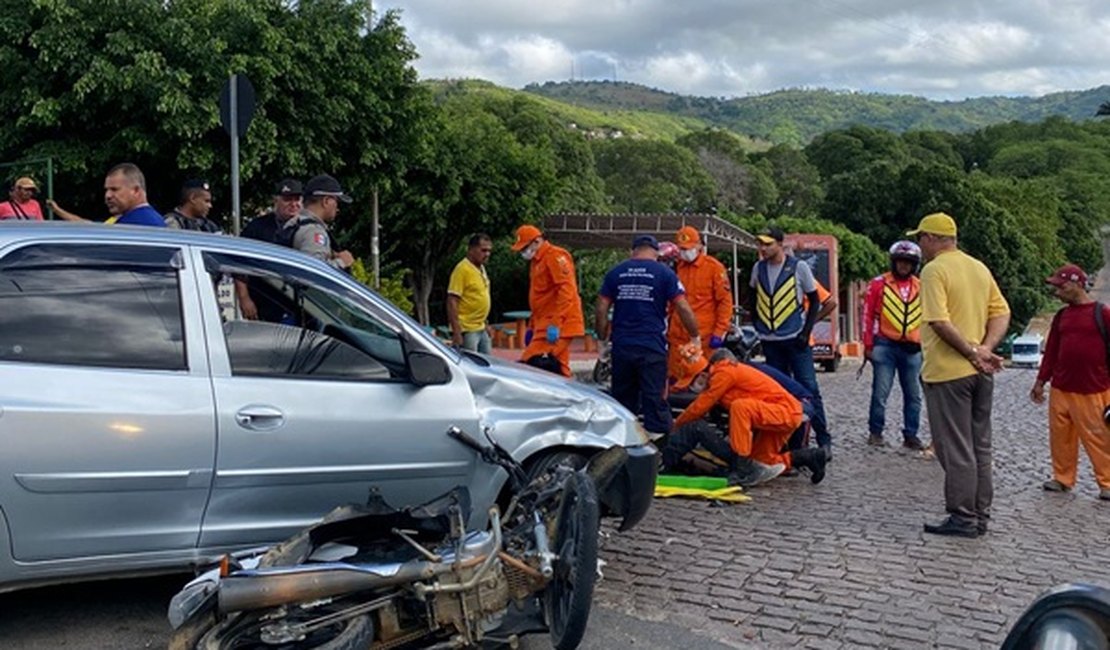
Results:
x,y
740,187
652,176
796,180
94,83
474,175
839,152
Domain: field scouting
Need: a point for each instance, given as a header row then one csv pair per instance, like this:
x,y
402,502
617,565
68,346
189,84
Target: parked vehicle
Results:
x,y
407,578
1027,350
820,252
144,432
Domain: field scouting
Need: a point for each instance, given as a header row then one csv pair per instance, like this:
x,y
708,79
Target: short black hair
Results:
x,y
191,188
477,238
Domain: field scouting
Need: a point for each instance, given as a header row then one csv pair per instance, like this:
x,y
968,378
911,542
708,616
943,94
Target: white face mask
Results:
x,y
689,254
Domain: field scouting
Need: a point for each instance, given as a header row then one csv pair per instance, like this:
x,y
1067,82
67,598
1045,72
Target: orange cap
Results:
x,y
525,235
687,237
691,363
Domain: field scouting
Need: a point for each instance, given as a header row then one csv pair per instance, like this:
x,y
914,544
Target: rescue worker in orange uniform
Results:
x,y
552,297
892,343
708,293
761,413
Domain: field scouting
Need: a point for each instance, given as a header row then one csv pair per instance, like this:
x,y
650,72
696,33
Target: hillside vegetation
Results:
x,y
797,116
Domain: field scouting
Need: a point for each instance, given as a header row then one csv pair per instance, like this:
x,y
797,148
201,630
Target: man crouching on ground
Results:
x,y
756,404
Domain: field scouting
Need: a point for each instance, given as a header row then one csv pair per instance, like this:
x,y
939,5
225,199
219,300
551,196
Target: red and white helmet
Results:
x,y
668,251
906,250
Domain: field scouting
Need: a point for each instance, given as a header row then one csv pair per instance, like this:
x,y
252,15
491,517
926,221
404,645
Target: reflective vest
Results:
x,y
900,317
778,311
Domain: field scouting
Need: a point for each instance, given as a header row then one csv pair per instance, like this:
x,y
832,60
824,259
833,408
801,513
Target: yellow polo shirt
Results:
x,y
471,284
957,288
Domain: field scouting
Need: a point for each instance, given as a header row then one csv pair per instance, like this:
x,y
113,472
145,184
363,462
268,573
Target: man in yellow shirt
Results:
x,y
468,297
966,317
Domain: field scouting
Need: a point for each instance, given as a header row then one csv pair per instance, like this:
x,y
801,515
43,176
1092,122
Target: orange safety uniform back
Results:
x,y
553,292
730,381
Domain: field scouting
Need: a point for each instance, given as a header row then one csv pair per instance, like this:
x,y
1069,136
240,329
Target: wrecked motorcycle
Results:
x,y
371,576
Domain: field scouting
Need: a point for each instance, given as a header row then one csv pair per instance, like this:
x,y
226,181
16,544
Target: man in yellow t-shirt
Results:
x,y
468,297
966,317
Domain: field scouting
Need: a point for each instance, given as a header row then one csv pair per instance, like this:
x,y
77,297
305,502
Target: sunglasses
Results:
x,y
27,189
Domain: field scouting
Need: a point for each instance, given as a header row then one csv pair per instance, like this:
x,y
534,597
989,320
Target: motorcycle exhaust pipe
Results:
x,y
258,591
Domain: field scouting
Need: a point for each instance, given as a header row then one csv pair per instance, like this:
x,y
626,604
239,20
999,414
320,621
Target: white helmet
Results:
x,y
906,250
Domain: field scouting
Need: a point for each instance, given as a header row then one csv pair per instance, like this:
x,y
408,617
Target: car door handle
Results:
x,y
260,418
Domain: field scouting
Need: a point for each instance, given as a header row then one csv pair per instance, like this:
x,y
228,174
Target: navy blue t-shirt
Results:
x,y
144,215
640,290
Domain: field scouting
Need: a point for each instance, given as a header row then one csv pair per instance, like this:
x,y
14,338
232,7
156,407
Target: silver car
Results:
x,y
145,427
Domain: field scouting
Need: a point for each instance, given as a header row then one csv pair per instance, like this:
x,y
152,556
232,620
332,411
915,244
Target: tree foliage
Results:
x,y
652,176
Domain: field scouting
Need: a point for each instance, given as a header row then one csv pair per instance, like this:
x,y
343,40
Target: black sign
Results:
x,y
244,100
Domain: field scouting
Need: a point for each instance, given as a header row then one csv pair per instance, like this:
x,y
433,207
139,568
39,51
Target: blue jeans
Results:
x,y
886,359
477,341
639,384
797,361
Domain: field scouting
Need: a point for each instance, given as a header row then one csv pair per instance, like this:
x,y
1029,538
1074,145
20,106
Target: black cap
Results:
x,y
196,184
324,185
288,186
771,233
645,240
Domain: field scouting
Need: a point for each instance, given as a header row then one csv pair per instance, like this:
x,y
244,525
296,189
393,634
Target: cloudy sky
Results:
x,y
942,49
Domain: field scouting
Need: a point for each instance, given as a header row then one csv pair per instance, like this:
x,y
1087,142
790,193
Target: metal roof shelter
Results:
x,y
592,231
585,230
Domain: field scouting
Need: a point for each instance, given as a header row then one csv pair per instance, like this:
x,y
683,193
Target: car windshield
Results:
x,y
1026,348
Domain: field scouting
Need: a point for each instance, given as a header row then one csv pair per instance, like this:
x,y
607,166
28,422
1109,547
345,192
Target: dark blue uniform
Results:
x,y
641,291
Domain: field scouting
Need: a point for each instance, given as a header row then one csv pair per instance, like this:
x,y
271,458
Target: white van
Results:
x,y
1027,350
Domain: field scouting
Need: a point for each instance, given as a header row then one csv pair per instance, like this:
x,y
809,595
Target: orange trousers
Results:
x,y
774,422
560,350
1075,418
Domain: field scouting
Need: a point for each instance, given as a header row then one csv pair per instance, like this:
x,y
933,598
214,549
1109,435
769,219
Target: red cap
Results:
x,y
525,235
1067,273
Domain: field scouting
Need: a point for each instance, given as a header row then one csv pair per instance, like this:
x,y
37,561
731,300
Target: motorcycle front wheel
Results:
x,y
262,630
570,593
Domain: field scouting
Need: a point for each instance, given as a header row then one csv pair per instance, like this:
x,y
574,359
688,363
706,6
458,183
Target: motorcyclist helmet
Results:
x,y
668,252
905,250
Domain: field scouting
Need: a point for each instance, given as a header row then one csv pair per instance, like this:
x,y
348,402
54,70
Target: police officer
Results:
x,y
308,233
192,208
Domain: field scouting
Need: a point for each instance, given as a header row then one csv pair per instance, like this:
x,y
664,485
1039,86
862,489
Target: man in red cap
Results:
x,y
707,291
552,296
1080,378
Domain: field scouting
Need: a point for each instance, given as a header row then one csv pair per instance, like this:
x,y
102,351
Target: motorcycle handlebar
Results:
x,y
466,439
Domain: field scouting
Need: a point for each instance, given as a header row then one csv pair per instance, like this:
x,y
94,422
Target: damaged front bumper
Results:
x,y
625,479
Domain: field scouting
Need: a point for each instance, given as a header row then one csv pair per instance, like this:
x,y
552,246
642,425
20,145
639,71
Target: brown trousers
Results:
x,y
960,424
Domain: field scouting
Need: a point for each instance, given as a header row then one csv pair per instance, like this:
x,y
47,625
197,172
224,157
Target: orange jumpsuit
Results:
x,y
755,403
710,297
553,297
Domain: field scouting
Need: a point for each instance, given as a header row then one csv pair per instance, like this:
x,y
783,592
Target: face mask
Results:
x,y
689,254
699,383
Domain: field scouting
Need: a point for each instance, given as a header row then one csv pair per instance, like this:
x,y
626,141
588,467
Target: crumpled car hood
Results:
x,y
525,407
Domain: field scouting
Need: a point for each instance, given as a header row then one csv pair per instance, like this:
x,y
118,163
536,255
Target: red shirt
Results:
x,y
30,210
1075,357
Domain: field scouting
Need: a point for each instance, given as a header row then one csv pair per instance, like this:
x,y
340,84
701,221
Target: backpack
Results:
x,y
1100,323
286,234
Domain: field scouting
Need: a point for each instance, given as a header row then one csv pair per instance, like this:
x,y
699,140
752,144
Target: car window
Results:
x,y
305,326
112,306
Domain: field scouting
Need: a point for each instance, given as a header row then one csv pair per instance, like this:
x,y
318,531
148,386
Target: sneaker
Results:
x,y
1055,486
1104,494
876,441
750,473
913,443
952,528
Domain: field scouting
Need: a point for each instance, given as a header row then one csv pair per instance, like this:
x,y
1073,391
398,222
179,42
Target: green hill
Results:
x,y
798,115
600,121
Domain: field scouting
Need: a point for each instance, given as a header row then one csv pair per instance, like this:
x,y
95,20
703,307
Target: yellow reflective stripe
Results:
x,y
904,316
784,304
762,304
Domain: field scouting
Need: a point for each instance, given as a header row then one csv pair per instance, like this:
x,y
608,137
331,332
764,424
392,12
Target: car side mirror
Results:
x,y
1075,616
427,369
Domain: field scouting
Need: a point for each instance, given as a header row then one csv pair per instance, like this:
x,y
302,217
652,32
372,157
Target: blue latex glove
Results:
x,y
528,336
715,342
552,334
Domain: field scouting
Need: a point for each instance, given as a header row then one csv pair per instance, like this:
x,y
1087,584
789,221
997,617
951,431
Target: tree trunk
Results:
x,y
421,293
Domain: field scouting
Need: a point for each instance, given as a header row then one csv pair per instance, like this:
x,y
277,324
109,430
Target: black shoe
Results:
x,y
828,453
953,528
981,527
913,443
874,440
812,459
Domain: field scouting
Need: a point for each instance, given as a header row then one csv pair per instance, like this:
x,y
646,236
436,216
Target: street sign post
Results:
x,y
236,110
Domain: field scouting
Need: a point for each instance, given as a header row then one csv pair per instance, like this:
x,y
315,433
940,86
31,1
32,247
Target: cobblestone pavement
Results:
x,y
845,564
